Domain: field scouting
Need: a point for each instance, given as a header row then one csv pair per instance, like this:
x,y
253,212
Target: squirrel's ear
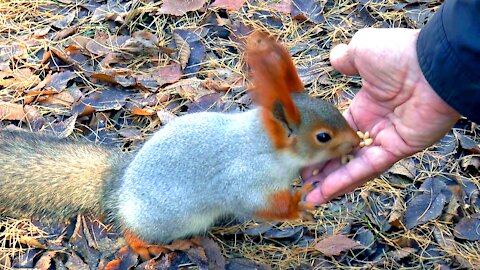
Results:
x,y
274,79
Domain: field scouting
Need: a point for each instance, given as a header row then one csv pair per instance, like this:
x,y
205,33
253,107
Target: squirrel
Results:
x,y
191,172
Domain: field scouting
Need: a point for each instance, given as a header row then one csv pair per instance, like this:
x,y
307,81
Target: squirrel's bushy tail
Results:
x,y
47,176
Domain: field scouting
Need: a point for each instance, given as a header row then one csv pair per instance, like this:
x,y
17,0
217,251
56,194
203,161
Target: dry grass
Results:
x,y
21,19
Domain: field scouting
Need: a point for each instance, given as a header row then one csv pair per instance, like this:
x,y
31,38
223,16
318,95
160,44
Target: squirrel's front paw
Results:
x,y
287,204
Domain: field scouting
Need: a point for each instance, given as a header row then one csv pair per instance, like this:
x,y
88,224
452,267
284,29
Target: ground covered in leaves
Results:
x,y
116,71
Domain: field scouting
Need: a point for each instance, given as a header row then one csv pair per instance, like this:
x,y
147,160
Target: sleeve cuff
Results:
x,y
443,70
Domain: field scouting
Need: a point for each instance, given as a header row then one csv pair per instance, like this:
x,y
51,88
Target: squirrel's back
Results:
x,y
51,177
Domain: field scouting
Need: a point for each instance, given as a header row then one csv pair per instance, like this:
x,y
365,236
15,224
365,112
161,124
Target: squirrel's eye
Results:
x,y
323,137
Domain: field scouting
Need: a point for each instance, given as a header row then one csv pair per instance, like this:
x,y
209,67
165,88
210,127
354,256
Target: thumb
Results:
x,y
342,60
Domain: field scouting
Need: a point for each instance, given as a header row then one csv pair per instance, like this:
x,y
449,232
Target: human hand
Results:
x,y
396,105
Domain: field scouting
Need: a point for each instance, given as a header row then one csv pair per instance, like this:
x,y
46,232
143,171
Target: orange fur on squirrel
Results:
x,y
285,204
274,78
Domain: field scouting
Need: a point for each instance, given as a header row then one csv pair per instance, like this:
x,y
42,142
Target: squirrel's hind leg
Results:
x,y
287,205
142,248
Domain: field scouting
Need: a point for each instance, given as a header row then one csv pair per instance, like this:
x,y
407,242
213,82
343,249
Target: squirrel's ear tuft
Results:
x,y
274,78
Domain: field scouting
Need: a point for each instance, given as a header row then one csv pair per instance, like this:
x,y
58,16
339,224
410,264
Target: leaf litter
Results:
x,y
116,71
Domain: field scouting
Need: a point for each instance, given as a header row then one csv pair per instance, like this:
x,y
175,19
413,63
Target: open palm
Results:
x,y
396,105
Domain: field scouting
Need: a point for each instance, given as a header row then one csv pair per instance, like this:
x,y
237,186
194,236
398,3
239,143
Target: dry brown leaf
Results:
x,y
180,7
397,212
20,79
15,51
39,33
232,5
336,244
11,111
167,74
130,133
191,89
59,80
402,253
283,6
34,118
97,48
65,20
44,263
31,242
146,35
222,79
183,50
165,116
38,88
143,111
405,167
113,10
64,98
449,245
182,245
213,252
470,161
65,33
159,76
468,228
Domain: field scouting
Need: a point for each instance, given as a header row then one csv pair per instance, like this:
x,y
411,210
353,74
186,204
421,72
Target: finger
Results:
x,y
370,162
307,173
342,60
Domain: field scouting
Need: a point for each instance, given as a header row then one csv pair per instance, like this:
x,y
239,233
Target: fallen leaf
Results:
x,y
180,7
189,88
245,264
210,102
19,79
183,50
165,116
33,117
98,48
396,212
426,206
196,47
143,111
470,161
283,6
64,128
59,80
63,98
405,167
130,133
167,74
450,246
75,263
11,111
65,21
402,253
14,51
467,143
468,228
198,257
32,242
283,232
308,9
213,253
113,10
231,5
107,99
45,262
159,76
121,77
335,244
64,33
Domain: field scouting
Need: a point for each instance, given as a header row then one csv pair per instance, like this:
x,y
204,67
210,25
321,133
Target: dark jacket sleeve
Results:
x,y
448,50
